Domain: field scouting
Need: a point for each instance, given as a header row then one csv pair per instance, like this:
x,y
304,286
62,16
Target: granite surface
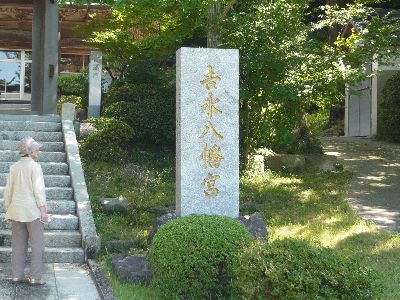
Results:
x,y
207,110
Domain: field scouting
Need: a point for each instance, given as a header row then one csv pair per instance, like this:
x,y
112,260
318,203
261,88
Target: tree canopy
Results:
x,y
287,63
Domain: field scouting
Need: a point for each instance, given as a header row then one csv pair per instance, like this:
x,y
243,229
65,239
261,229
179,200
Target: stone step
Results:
x,y
47,146
58,222
58,207
61,193
29,126
52,238
49,180
51,255
32,118
38,136
13,156
49,168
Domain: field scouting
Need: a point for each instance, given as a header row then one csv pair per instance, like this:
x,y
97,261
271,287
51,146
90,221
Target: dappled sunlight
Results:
x,y
307,195
328,232
334,153
391,244
382,216
287,231
380,185
370,157
370,177
397,165
329,239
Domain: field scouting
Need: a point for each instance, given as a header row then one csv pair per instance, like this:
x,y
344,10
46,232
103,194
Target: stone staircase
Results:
x,y
63,240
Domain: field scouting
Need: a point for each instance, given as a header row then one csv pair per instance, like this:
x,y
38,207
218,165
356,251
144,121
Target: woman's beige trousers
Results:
x,y
21,232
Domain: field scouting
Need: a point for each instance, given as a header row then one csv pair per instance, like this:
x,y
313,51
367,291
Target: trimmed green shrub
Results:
x,y
69,99
153,119
389,110
123,90
190,256
109,142
293,269
74,85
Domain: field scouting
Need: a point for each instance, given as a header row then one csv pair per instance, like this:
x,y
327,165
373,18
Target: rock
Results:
x,y
285,162
321,162
121,246
274,163
132,268
91,245
157,223
255,224
293,162
86,129
114,204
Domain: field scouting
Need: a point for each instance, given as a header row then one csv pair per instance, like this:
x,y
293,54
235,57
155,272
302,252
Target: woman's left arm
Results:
x,y
6,194
38,186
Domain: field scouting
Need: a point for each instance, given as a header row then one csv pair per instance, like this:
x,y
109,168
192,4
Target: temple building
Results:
x,y
38,42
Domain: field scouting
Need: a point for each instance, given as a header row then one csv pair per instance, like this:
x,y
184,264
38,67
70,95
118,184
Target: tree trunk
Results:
x,y
245,138
212,24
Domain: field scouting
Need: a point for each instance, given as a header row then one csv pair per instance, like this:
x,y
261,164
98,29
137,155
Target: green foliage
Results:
x,y
75,85
293,269
189,256
287,64
153,120
145,99
77,100
109,142
389,110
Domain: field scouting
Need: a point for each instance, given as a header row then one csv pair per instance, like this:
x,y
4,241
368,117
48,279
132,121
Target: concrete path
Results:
x,y
64,281
375,188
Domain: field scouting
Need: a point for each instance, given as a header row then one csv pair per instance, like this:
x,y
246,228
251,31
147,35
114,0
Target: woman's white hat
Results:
x,y
28,145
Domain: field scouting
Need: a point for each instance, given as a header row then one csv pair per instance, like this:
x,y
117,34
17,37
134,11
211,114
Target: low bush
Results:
x,y
123,90
109,142
69,99
190,256
293,269
75,85
389,111
153,119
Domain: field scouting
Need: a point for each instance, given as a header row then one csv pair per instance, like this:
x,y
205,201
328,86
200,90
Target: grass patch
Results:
x,y
293,205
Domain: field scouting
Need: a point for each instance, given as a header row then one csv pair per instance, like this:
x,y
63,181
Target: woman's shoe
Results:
x,y
19,280
36,281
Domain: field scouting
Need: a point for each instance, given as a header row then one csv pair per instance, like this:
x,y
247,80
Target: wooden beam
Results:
x,y
15,2
15,34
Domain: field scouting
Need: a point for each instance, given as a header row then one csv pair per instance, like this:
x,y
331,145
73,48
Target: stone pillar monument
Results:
x,y
45,40
207,132
95,71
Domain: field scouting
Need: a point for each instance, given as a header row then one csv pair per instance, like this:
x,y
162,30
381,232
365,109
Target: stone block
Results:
x,y
285,162
207,150
132,268
68,111
157,224
321,162
114,204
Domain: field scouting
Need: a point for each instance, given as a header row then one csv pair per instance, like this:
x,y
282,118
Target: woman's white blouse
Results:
x,y
25,191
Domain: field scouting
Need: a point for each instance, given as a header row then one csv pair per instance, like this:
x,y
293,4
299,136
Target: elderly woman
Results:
x,y
25,206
